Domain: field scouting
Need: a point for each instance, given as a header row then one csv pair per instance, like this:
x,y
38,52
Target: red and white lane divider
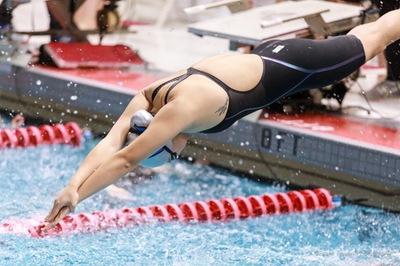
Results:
x,y
212,210
69,133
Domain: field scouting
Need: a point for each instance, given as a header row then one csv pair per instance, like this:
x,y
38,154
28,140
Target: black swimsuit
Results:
x,y
289,66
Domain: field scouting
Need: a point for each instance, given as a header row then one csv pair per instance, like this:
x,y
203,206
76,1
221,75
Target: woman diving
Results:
x,y
214,93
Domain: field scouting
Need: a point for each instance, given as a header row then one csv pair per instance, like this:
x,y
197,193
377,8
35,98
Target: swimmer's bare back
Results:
x,y
209,100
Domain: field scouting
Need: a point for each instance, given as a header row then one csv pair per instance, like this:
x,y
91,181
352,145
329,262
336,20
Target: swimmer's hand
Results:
x,y
65,203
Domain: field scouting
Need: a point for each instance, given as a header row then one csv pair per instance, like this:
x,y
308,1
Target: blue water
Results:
x,y
30,179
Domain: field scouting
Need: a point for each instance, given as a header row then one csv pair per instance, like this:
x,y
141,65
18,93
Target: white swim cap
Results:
x,y
139,122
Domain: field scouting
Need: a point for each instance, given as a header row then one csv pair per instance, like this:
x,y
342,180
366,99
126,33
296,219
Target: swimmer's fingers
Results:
x,y
61,214
58,212
54,211
67,198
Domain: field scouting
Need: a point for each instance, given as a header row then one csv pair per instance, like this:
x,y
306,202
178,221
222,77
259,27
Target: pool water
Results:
x,y
30,178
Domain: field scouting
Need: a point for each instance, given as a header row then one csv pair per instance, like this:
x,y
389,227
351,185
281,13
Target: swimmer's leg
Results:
x,y
375,36
296,65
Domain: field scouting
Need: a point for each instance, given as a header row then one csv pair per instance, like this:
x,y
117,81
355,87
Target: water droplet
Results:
x,y
38,82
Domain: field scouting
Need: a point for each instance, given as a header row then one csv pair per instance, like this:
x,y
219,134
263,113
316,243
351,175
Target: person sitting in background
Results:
x,y
76,16
68,17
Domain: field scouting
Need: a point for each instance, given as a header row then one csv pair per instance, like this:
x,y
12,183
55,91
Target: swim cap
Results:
x,y
139,123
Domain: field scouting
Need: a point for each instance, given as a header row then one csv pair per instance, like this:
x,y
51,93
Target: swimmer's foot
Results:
x,y
386,89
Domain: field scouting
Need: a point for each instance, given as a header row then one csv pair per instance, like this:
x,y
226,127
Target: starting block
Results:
x,y
283,20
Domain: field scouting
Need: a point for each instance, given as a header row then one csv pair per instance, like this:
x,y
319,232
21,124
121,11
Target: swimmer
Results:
x,y
214,93
18,121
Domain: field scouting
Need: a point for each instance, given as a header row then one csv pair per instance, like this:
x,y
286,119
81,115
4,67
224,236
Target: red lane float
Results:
x,y
213,210
69,133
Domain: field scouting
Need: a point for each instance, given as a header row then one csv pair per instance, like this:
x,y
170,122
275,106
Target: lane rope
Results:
x,y
69,133
200,211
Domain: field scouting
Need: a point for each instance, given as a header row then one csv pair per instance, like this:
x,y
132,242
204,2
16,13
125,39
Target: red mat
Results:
x,y
75,55
338,126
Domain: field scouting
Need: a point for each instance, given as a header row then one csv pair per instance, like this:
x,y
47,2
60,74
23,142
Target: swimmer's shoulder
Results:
x,y
148,90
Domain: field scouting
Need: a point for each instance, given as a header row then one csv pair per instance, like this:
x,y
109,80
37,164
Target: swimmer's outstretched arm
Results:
x,y
171,120
111,143
104,150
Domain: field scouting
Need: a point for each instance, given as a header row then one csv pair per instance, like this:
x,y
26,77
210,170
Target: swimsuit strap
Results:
x,y
192,70
179,80
156,90
182,77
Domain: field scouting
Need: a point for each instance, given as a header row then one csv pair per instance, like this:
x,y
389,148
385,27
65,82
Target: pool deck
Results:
x,y
355,157
90,96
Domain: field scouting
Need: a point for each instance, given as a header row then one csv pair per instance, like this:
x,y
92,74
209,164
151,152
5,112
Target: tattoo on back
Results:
x,y
223,108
